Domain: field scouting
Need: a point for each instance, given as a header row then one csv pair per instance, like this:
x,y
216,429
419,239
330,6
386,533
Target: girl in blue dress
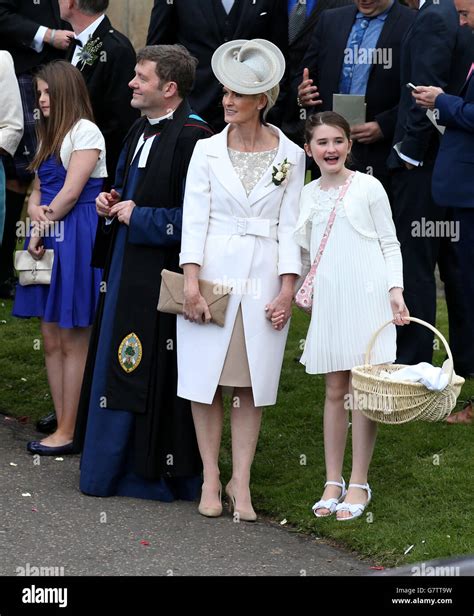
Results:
x,y
70,168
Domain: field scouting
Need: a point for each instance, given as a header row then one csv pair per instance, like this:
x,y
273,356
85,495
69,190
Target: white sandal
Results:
x,y
357,509
330,503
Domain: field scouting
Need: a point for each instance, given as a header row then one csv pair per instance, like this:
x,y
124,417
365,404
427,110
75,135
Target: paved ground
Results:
x,y
46,522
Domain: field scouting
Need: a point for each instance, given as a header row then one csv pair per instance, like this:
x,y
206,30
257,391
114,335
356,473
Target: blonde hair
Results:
x,y
272,96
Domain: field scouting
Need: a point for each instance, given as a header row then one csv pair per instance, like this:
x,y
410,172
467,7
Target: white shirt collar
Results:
x,y
89,31
422,2
164,117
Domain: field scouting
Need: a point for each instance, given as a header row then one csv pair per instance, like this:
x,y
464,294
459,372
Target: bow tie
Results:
x,y
76,42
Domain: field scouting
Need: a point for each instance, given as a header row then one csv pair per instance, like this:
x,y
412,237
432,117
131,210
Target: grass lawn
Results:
x,y
421,473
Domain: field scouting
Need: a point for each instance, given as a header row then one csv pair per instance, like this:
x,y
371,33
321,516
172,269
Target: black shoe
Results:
x,y
47,424
36,447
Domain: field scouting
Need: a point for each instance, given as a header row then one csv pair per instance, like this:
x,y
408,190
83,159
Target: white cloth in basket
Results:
x,y
435,379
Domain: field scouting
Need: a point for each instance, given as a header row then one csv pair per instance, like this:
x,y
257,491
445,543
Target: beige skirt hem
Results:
x,y
236,371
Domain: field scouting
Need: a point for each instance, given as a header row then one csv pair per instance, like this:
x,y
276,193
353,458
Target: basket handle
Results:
x,y
429,326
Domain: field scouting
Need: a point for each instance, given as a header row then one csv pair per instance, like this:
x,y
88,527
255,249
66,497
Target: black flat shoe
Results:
x,y
47,424
43,450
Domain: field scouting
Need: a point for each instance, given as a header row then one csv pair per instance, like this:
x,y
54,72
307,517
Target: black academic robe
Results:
x,y
163,422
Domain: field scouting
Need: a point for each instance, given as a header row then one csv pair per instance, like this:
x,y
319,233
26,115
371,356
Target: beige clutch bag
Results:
x,y
172,296
31,271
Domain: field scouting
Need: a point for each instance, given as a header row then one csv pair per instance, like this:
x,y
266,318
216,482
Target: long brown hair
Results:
x,y
69,102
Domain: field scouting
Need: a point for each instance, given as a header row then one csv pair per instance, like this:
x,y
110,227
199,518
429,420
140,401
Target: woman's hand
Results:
x,y
279,310
399,309
37,213
36,248
195,308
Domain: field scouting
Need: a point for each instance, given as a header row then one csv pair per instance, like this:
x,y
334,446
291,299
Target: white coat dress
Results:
x,y
245,242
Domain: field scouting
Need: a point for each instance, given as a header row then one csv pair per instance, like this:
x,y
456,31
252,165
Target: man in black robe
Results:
x,y
137,436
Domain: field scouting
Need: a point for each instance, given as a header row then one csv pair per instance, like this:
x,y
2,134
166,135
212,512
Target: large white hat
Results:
x,y
248,67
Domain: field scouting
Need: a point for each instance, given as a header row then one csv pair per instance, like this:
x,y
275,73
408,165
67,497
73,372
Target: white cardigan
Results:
x,y
11,120
368,210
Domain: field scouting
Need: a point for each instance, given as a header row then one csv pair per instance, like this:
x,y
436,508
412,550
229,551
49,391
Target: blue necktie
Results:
x,y
353,44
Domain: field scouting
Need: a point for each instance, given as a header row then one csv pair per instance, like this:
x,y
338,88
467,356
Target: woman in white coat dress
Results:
x,y
240,209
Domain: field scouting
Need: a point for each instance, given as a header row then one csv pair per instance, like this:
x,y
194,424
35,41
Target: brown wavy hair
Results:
x,y
69,102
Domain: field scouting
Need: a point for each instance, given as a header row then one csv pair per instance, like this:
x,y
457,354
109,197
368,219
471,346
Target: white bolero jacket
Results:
x,y
367,208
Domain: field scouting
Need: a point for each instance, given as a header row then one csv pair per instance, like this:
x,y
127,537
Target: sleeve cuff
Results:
x,y
190,257
38,41
289,267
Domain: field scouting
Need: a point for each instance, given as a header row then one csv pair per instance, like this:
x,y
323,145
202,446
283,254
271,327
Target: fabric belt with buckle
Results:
x,y
262,227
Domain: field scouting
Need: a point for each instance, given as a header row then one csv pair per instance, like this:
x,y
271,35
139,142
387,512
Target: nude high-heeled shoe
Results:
x,y
211,512
245,516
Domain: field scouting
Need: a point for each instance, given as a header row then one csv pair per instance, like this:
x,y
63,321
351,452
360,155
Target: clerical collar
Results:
x,y
86,34
161,118
153,126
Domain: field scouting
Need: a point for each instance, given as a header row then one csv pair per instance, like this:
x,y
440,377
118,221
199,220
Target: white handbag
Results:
x,y
31,271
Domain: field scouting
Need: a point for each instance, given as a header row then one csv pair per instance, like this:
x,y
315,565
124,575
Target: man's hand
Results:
x,y
308,93
123,211
425,96
105,201
61,40
370,132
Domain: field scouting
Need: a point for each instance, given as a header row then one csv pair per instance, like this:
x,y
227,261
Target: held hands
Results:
x,y
308,94
425,96
279,310
369,132
399,309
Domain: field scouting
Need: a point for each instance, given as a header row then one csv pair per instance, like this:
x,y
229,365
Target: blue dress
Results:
x,y
71,298
107,456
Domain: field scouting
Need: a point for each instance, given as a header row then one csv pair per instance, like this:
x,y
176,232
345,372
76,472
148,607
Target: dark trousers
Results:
x,y
415,214
14,205
456,266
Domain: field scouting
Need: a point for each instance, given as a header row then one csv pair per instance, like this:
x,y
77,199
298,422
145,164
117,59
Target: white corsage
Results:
x,y
280,172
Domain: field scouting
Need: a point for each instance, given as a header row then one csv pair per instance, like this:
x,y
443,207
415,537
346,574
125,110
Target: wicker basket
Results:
x,y
392,402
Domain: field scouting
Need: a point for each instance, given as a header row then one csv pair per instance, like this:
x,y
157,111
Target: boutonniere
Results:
x,y
280,172
88,54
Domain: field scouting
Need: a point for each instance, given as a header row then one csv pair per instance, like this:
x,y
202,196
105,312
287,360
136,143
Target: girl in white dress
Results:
x,y
358,286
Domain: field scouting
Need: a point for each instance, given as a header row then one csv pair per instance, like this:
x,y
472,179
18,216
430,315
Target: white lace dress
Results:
x,y
351,298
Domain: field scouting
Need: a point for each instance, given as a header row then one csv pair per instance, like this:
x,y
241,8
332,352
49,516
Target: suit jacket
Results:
x,y
325,58
107,82
193,23
454,167
19,23
293,125
436,51
237,238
